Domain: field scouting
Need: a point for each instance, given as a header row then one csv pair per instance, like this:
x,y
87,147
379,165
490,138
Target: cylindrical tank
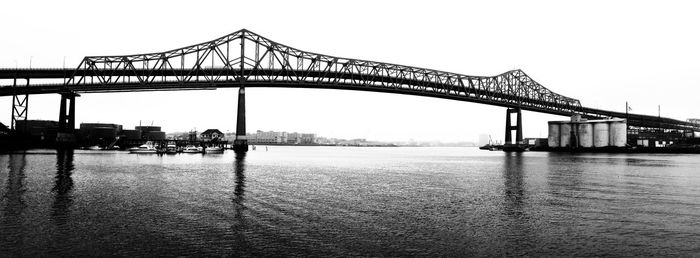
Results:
x,y
601,134
553,139
565,135
618,133
585,135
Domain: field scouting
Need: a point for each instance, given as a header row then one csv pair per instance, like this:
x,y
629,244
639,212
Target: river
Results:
x,y
349,201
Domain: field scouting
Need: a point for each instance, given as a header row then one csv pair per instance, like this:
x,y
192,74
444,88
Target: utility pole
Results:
x,y
627,117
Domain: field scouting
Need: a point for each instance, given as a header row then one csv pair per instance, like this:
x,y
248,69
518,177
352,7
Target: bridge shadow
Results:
x,y
11,229
60,210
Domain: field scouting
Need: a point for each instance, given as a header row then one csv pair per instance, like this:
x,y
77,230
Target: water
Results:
x,y
337,201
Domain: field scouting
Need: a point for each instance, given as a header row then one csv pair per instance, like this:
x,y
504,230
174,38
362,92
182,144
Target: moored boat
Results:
x,y
146,148
192,149
96,147
214,150
171,148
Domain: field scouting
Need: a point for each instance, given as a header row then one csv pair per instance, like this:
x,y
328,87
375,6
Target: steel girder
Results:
x,y
244,57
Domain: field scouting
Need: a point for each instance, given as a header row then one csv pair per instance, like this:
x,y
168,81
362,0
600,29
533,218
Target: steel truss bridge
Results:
x,y
246,59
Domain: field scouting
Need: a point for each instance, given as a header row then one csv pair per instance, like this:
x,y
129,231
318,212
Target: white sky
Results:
x,y
601,52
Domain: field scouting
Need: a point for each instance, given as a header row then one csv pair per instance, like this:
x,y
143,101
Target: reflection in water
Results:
x,y
239,191
513,180
15,184
564,180
519,237
239,224
11,227
63,186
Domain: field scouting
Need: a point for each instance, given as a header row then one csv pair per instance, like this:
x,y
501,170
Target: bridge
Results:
x,y
246,59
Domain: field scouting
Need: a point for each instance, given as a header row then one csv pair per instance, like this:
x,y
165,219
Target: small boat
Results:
x,y
192,149
171,148
146,148
214,150
96,147
491,146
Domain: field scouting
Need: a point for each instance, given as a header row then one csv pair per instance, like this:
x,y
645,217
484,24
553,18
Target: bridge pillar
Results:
x,y
66,118
518,127
20,108
240,144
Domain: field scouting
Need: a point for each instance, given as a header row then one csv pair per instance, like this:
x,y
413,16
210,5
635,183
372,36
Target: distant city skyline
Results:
x,y
583,51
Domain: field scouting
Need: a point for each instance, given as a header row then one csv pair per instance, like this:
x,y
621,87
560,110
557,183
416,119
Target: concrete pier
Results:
x,y
240,144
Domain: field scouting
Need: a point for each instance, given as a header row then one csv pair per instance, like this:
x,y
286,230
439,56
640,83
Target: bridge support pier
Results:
x,y
66,119
509,128
240,144
20,108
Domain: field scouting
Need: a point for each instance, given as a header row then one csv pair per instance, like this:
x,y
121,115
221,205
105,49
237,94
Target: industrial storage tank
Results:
x,y
553,139
618,133
585,135
565,135
601,134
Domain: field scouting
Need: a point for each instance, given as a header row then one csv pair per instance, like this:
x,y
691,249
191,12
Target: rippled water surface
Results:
x,y
337,201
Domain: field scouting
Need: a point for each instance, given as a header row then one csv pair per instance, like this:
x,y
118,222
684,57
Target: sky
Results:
x,y
604,53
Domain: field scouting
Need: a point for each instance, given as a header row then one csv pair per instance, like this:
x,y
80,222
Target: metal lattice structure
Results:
x,y
20,104
244,58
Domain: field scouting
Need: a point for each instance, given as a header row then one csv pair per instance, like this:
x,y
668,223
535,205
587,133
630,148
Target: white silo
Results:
x,y
585,134
565,135
601,134
553,139
618,133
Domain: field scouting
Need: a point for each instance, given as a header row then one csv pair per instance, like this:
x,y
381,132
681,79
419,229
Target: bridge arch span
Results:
x,y
244,58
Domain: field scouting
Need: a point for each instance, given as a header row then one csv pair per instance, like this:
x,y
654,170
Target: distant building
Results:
x,y
96,131
131,134
293,138
211,134
153,135
4,129
41,129
308,138
151,132
270,137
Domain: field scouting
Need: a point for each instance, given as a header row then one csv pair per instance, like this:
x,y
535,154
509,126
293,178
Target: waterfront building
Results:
x,y
97,131
211,135
151,132
270,137
308,138
41,129
131,134
294,138
4,129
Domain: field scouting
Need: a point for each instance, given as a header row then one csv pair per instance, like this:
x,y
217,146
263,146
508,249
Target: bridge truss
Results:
x,y
246,59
